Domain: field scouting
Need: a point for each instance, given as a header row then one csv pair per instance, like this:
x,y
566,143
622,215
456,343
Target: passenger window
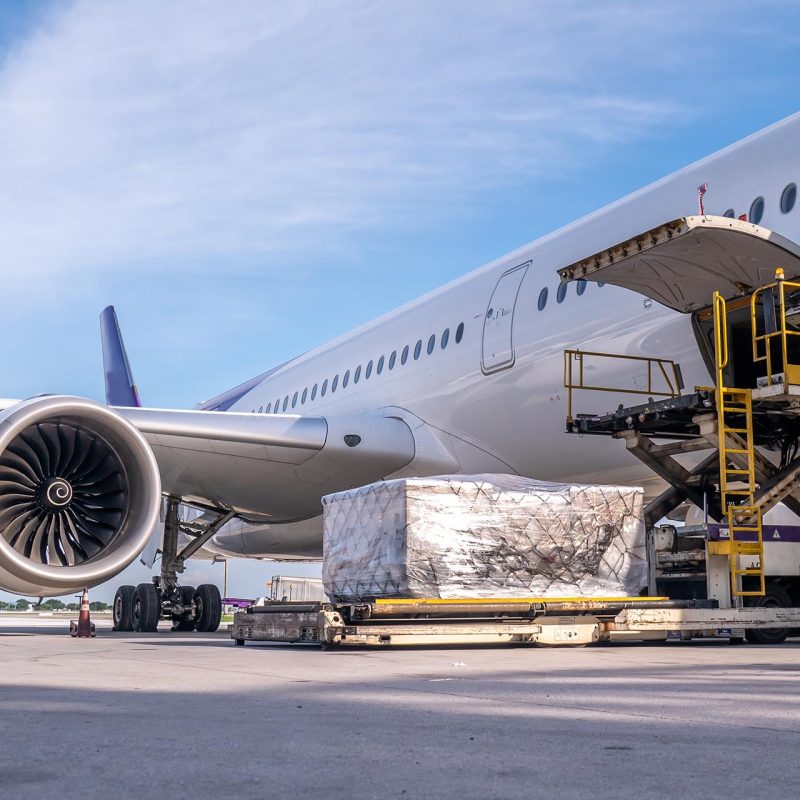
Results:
x,y
277,405
313,392
756,210
392,359
346,379
368,371
334,384
580,287
305,395
445,337
431,343
561,293
417,349
269,407
294,400
788,198
357,374
404,356
730,213
285,402
542,299
459,332
379,368
324,387
261,409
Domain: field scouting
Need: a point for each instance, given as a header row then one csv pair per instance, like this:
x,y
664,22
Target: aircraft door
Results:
x,y
497,350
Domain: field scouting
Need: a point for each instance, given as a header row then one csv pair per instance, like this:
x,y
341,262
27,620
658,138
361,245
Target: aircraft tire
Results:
x,y
123,609
208,608
146,608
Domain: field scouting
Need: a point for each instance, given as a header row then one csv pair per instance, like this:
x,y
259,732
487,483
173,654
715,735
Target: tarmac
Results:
x,y
191,716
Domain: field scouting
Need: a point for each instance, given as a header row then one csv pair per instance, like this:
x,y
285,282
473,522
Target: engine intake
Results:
x,y
79,495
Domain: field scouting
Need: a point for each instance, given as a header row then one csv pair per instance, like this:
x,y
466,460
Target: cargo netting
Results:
x,y
477,536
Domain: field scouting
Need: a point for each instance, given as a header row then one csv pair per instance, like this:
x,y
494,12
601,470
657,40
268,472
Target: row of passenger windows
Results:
x,y
786,204
561,292
375,367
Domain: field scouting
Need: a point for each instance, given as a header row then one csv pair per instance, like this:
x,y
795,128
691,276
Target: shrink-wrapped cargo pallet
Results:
x,y
483,536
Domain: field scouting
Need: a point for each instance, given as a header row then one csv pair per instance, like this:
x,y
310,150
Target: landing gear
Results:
x,y
123,609
140,608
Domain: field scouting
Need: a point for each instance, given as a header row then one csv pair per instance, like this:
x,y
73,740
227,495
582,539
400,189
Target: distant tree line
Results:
x,y
51,605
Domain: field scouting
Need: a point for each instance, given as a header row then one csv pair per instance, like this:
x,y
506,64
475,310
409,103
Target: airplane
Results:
x,y
467,379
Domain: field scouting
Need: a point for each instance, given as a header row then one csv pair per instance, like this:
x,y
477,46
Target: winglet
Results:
x,y
120,388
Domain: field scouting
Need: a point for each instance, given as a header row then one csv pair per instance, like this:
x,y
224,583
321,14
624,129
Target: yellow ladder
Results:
x,y
737,483
737,480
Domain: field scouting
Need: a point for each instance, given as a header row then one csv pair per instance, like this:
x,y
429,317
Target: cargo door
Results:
x,y
498,325
683,262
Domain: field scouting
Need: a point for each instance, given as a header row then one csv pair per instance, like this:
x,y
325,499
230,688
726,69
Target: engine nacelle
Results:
x,y
80,494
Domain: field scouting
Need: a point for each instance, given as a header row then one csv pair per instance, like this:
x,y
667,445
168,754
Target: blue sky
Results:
x,y
246,180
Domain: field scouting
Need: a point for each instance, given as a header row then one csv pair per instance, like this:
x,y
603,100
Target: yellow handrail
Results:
x,y
669,370
720,335
781,331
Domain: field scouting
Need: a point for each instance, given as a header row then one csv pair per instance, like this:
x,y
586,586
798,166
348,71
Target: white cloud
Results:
x,y
191,133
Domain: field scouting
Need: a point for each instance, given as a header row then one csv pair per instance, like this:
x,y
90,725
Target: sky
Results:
x,y
246,180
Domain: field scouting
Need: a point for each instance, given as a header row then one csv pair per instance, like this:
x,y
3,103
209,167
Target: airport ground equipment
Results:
x,y
743,435
141,607
539,621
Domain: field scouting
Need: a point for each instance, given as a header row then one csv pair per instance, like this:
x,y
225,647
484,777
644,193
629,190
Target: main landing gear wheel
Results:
x,y
123,609
146,608
183,623
208,608
776,597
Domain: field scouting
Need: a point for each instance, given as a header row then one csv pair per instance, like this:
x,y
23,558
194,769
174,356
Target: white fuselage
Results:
x,y
512,419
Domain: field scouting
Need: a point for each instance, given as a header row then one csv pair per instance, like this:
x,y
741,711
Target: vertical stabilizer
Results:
x,y
120,388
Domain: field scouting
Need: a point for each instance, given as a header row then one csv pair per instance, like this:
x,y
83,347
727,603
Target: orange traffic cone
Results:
x,y
84,627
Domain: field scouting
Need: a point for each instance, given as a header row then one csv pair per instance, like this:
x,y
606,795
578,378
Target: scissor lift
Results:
x,y
735,482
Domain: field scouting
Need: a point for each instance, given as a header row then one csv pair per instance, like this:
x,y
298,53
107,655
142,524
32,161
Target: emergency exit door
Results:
x,y
498,325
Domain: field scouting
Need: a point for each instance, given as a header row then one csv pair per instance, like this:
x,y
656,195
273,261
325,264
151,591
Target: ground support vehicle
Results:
x,y
729,451
554,622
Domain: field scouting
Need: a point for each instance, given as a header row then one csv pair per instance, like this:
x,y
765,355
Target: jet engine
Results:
x,y
80,495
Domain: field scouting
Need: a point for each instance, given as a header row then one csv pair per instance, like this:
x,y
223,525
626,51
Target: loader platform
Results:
x,y
535,621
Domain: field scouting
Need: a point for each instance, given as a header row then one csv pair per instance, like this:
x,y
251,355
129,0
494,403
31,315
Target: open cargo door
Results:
x,y
682,263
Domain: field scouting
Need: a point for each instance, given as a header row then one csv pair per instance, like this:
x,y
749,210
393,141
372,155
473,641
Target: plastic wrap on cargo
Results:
x,y
483,536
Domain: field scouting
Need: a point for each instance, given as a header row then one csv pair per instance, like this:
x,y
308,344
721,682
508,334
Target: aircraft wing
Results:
x,y
269,466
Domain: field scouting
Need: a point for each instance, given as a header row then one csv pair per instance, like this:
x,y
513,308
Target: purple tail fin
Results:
x,y
120,388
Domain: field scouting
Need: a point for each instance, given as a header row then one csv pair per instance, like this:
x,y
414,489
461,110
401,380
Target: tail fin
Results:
x,y
120,388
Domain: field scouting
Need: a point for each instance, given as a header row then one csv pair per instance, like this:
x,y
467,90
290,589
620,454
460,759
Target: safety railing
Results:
x,y
662,376
720,338
771,327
